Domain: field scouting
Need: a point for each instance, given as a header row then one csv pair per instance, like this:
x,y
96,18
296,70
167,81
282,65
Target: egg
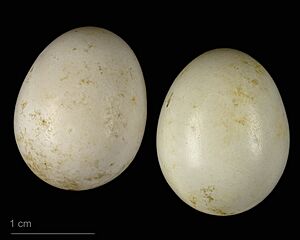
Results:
x,y
81,111
223,135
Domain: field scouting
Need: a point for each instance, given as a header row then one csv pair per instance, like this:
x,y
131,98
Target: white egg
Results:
x,y
81,111
223,135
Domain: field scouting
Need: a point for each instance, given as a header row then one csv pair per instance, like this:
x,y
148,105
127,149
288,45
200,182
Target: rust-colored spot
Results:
x,y
97,177
20,137
100,69
44,122
133,99
69,184
259,69
54,150
169,100
193,200
254,82
235,102
236,67
218,211
23,105
240,92
88,47
241,120
74,49
35,114
207,193
85,82
116,135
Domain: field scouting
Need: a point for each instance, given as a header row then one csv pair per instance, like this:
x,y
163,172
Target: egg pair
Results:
x,y
222,137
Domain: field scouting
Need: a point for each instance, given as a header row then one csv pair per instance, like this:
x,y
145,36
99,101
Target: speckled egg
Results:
x,y
81,111
223,135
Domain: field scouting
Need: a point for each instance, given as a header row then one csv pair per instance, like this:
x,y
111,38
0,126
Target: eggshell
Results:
x,y
81,111
223,135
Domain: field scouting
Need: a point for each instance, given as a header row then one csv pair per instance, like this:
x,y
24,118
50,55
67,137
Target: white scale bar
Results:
x,y
62,233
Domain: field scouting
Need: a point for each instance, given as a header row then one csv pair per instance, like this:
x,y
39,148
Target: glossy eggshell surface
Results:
x,y
81,111
223,135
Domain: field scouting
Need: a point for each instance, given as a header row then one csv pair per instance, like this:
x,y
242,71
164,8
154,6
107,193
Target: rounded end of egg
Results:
x,y
223,135
81,111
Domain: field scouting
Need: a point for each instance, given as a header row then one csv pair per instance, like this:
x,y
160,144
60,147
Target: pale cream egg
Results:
x,y
81,111
223,135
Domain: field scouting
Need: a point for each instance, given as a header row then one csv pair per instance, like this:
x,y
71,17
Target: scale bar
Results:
x,y
57,233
